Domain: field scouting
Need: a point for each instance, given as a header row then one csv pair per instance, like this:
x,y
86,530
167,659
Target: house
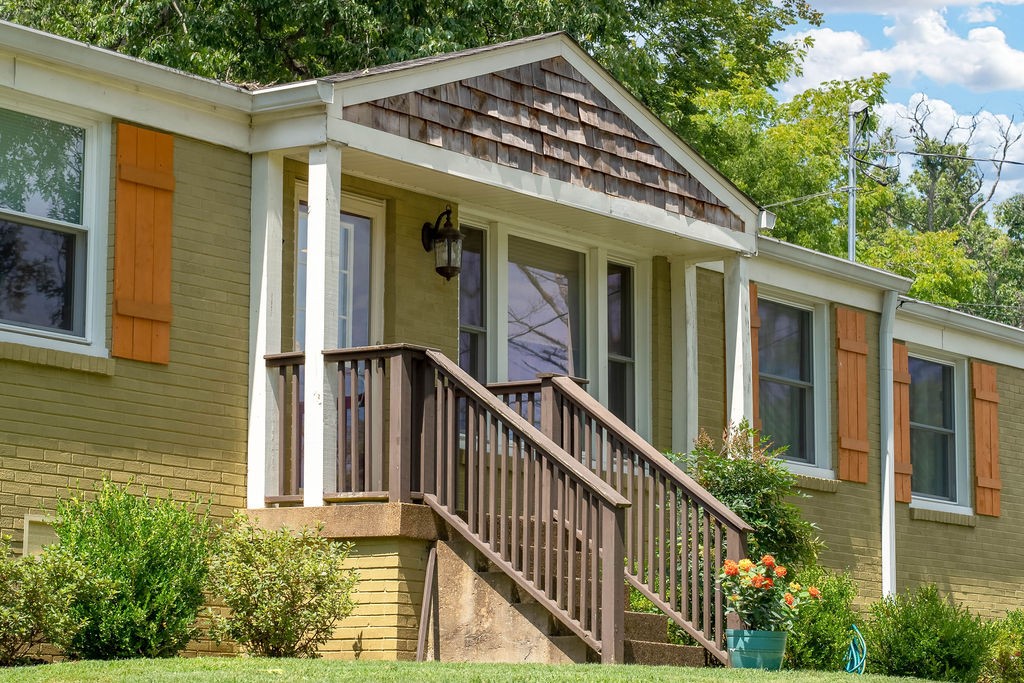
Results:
x,y
173,247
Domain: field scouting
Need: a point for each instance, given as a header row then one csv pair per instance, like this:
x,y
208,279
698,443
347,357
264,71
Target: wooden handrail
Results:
x,y
550,449
651,454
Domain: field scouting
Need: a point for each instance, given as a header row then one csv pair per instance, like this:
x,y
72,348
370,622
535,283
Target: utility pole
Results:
x,y
857,107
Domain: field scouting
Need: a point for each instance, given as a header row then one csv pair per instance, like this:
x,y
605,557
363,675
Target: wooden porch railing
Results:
x,y
677,534
525,504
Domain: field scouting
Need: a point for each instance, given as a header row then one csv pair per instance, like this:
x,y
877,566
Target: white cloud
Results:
x,y
984,143
980,15
923,45
890,7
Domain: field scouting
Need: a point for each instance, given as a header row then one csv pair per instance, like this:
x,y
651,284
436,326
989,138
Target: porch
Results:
x,y
544,483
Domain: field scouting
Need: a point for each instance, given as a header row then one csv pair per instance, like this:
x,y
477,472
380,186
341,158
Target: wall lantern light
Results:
x,y
446,243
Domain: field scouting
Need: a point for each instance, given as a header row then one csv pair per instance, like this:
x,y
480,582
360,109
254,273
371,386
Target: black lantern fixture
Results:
x,y
446,243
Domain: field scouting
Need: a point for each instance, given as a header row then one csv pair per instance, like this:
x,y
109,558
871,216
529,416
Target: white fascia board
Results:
x,y
959,333
74,55
175,111
294,129
291,95
843,270
687,157
389,84
542,187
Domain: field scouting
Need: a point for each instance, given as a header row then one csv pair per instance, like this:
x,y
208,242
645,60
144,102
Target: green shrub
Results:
x,y
153,554
749,477
821,631
285,590
1005,661
927,636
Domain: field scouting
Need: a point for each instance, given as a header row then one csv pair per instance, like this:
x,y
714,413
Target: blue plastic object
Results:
x,y
857,653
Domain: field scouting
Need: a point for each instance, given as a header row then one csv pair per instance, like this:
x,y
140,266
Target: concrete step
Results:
x,y
649,627
662,654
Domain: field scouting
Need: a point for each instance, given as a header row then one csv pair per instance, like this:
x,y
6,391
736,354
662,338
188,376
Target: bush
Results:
x,y
153,554
748,476
1005,661
285,590
821,632
926,636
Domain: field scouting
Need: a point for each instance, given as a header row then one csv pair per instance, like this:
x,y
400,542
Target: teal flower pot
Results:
x,y
756,649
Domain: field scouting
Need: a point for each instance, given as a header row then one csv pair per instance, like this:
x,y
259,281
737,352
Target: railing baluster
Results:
x,y
584,542
707,574
516,487
673,539
660,498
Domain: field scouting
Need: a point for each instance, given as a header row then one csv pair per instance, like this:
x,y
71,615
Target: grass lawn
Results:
x,y
253,670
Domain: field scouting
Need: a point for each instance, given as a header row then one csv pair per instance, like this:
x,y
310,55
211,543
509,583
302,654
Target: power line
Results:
x,y
950,156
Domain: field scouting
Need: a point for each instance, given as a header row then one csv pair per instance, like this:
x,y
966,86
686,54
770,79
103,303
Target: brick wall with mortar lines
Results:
x,y
980,564
385,622
68,423
711,352
661,354
850,518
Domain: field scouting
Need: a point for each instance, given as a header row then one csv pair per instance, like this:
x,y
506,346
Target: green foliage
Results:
x,y
942,271
925,635
1005,662
36,593
821,632
153,555
285,590
749,477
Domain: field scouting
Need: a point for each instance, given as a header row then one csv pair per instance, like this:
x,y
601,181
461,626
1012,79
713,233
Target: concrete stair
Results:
x,y
647,643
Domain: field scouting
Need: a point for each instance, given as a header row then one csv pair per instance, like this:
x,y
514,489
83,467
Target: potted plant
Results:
x,y
759,594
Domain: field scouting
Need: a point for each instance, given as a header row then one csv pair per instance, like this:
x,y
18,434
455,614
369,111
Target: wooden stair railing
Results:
x,y
527,506
677,534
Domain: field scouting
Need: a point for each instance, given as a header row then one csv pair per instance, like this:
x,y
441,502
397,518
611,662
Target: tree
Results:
x,y
662,51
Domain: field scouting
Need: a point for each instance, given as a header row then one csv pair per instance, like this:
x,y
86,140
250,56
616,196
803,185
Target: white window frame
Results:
x,y
376,211
93,230
821,463
963,503
595,292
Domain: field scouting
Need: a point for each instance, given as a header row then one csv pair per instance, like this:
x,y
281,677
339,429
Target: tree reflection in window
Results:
x,y
36,276
545,310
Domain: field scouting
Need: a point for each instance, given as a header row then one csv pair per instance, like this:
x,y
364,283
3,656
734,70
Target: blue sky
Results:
x,y
965,57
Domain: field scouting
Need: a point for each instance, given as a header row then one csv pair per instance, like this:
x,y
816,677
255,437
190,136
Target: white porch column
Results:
x,y
264,326
321,388
738,365
683,278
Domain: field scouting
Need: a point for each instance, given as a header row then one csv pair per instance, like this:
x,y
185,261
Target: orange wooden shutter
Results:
x,y
755,366
901,420
851,362
986,439
142,245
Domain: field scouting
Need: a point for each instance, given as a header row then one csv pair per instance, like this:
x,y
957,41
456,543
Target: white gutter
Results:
x,y
887,437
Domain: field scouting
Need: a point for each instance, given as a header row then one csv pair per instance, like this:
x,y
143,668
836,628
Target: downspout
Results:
x,y
885,336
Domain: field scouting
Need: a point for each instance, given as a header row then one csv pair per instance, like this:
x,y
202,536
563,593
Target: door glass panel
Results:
x,y
545,310
353,279
472,314
620,342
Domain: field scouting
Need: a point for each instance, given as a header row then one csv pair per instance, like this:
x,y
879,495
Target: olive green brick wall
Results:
x,y
385,622
975,558
711,352
850,516
661,354
67,421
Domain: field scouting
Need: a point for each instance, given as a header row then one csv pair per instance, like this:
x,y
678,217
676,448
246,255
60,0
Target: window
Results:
x,y
472,305
621,361
44,224
937,431
545,310
792,368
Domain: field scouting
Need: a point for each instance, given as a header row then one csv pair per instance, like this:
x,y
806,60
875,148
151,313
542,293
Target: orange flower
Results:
x,y
814,592
789,599
768,561
768,583
757,581
731,568
745,565
780,572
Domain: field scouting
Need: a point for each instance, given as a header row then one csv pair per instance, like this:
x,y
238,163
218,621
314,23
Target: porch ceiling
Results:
x,y
537,199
